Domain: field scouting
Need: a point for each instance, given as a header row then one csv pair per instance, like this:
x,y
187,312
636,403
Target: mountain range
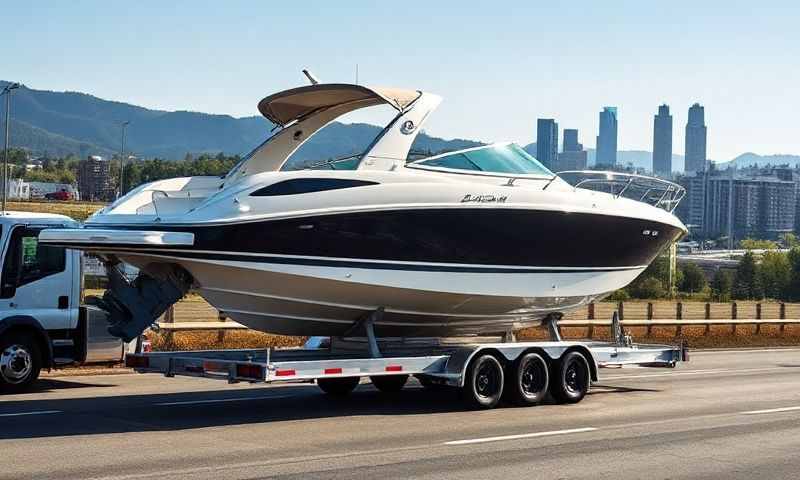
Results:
x,y
61,123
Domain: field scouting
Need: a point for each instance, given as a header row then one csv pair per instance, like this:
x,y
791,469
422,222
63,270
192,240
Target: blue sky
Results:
x,y
499,65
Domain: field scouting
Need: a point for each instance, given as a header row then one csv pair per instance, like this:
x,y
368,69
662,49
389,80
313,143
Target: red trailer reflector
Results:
x,y
284,373
332,371
394,368
136,361
249,371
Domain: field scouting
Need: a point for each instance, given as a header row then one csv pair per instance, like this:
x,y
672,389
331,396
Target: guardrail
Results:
x,y
680,323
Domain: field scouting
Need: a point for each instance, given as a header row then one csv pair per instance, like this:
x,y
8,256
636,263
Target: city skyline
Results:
x,y
627,54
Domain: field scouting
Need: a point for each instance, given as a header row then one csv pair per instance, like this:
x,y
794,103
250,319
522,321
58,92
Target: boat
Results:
x,y
470,242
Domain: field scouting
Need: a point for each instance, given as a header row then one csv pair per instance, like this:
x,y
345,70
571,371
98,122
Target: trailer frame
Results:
x,y
442,361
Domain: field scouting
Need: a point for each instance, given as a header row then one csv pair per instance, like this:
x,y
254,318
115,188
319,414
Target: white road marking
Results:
x,y
692,372
38,412
772,410
517,437
743,350
220,400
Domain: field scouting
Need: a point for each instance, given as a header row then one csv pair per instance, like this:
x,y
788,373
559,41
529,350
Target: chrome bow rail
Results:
x,y
654,191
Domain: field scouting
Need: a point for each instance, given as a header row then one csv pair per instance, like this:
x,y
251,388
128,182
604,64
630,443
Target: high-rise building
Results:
x,y
607,138
696,139
662,142
571,140
94,179
760,203
692,209
547,142
574,156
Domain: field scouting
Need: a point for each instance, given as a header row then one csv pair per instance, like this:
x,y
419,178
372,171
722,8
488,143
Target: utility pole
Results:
x,y
122,160
7,92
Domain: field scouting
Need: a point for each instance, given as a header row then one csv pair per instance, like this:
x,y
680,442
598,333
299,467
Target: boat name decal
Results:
x,y
470,198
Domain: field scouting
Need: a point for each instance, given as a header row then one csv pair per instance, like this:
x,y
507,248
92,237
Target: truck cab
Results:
x,y
43,323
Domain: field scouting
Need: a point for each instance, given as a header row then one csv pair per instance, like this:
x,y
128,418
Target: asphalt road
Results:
x,y
723,415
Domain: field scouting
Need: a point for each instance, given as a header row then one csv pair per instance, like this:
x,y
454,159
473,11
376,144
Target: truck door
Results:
x,y
35,280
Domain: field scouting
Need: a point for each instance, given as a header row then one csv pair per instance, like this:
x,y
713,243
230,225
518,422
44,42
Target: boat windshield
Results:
x,y
505,158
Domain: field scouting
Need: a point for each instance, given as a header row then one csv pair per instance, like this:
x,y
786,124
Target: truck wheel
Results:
x,y
20,362
528,380
338,387
389,383
571,378
483,386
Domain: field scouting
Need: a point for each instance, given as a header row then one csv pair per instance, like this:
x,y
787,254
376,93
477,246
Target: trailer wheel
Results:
x,y
20,362
528,380
483,386
389,383
338,387
571,378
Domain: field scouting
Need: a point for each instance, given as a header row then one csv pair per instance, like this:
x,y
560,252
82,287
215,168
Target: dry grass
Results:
x,y
76,210
210,340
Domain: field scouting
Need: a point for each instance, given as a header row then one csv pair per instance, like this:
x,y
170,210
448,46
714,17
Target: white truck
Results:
x,y
43,322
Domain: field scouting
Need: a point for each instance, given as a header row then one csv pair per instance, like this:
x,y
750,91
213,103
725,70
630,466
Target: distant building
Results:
x,y
607,138
94,179
571,140
18,189
573,157
662,142
759,202
692,209
547,142
696,131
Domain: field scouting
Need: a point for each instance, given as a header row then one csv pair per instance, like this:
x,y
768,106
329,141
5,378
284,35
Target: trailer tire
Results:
x,y
338,387
571,378
389,383
528,380
483,385
20,362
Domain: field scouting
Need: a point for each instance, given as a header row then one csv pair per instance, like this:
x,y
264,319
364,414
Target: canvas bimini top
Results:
x,y
296,103
301,112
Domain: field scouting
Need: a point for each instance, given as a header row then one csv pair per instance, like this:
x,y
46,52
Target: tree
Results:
x,y
793,288
754,244
693,279
746,283
659,270
649,287
721,285
775,274
790,240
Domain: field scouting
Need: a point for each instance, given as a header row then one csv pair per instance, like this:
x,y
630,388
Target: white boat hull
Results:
x,y
315,300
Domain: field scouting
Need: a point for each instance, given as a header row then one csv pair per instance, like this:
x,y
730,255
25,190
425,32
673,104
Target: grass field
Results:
x,y
76,210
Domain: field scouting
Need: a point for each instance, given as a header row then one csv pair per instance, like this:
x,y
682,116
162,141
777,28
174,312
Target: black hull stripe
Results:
x,y
463,236
340,263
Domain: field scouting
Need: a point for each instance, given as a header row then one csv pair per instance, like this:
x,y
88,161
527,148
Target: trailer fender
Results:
x,y
30,324
458,362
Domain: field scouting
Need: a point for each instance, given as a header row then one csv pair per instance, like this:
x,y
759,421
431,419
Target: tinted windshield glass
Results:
x,y
506,158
